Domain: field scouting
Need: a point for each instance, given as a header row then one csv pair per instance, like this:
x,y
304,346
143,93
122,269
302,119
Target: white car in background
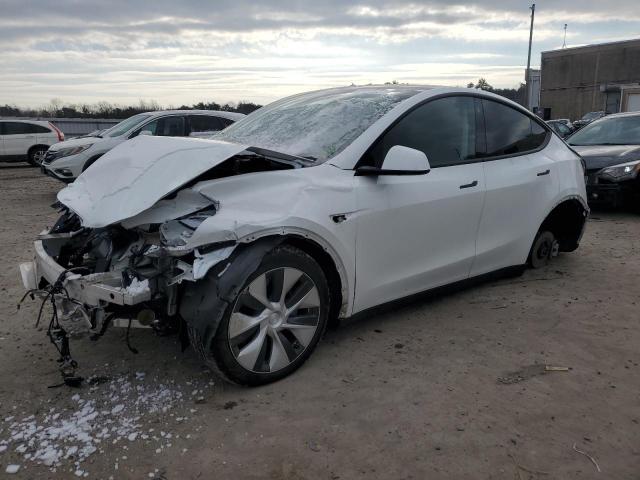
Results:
x,y
27,140
318,206
65,161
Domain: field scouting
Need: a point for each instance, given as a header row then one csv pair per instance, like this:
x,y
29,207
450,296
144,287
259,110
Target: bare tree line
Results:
x,y
58,109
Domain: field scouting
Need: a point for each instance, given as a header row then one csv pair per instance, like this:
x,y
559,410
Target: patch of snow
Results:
x,y
12,468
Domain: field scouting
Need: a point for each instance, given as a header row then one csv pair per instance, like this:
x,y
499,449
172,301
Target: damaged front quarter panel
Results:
x,y
204,303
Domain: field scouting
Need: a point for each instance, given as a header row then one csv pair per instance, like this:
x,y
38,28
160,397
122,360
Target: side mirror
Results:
x,y
399,161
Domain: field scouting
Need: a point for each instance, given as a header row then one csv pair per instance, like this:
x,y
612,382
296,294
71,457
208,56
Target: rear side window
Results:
x,y
40,129
509,131
21,128
205,123
444,129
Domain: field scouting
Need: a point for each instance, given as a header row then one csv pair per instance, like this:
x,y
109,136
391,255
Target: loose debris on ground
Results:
x,y
110,412
529,372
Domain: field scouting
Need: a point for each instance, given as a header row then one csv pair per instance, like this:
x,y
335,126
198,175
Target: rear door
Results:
x,y
418,232
521,183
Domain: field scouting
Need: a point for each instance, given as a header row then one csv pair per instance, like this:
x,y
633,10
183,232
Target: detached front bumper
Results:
x,y
82,301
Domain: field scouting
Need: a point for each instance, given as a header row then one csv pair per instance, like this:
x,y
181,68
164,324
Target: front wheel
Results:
x,y
275,322
36,155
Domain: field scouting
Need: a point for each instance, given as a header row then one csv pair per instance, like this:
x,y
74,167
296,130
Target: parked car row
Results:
x,y
27,140
66,160
319,206
42,144
564,127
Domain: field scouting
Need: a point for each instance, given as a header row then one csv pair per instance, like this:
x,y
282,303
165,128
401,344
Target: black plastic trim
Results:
x,y
432,293
369,171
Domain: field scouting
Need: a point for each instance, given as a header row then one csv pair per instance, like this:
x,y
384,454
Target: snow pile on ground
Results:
x,y
111,412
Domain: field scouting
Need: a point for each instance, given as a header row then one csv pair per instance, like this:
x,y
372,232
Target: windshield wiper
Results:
x,y
608,144
302,161
600,144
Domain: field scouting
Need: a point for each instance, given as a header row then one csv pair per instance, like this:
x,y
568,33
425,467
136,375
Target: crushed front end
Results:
x,y
135,254
95,278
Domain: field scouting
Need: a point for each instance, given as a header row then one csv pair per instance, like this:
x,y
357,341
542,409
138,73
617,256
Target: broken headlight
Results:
x,y
618,173
176,233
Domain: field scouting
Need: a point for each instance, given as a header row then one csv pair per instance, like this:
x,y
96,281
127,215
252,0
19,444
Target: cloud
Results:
x,y
180,52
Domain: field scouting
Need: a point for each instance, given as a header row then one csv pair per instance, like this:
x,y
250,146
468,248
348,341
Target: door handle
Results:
x,y
470,185
542,174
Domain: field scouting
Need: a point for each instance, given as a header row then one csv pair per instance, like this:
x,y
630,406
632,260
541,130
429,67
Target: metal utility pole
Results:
x,y
526,96
564,43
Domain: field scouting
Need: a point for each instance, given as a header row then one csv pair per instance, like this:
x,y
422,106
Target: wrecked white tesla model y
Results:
x,y
318,206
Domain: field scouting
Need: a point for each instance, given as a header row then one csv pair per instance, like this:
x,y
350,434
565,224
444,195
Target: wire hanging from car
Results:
x,y
57,335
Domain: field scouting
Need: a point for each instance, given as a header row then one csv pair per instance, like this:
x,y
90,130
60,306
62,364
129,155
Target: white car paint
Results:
x,y
70,166
405,234
420,226
17,145
399,250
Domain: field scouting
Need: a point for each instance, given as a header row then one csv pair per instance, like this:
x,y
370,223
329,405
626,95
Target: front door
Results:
x,y
419,232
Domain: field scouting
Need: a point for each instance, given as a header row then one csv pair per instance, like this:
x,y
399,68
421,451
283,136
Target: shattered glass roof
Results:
x,y
317,125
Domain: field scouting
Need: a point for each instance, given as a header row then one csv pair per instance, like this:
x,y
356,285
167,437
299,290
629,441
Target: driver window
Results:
x,y
444,129
151,127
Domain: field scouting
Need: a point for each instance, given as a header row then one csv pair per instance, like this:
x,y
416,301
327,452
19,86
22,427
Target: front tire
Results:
x,y
275,322
36,155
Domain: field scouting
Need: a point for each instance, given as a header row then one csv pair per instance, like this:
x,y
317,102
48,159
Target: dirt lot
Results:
x,y
427,391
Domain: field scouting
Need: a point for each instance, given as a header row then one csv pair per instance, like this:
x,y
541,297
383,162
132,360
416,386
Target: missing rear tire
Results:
x,y
544,247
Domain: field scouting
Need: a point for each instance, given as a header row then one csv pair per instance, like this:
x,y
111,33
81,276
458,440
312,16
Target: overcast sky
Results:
x,y
187,51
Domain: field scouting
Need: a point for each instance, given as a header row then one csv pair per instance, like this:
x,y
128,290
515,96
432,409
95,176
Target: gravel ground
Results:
x,y
447,388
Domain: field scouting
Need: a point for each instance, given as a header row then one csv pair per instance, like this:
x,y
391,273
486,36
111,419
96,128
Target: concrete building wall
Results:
x,y
586,79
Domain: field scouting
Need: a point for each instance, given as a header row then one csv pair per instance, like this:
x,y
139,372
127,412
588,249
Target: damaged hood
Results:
x,y
601,156
136,174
